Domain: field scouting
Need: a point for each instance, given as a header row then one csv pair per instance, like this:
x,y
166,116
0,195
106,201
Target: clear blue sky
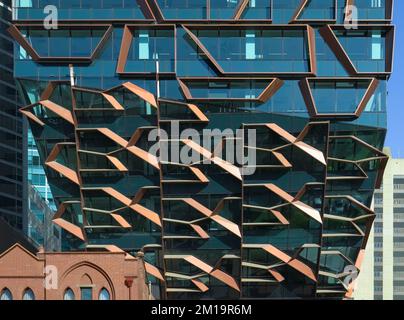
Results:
x,y
395,135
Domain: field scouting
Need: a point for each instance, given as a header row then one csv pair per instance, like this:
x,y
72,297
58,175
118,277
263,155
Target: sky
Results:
x,y
395,106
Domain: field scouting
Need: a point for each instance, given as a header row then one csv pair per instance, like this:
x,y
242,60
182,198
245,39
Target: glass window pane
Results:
x,y
86,293
104,295
28,295
69,295
6,295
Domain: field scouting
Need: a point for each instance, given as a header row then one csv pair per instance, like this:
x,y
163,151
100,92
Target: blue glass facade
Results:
x,y
41,229
12,173
311,88
36,173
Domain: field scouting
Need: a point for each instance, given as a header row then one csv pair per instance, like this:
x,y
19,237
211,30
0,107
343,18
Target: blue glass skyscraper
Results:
x,y
307,77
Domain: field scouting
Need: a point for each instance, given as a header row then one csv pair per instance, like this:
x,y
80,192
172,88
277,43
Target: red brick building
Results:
x,y
112,275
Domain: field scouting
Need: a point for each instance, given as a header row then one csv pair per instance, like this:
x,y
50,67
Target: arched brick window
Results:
x,y
104,295
86,287
6,294
28,294
69,295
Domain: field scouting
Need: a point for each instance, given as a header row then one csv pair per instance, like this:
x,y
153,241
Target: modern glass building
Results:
x,y
41,229
119,89
12,173
36,173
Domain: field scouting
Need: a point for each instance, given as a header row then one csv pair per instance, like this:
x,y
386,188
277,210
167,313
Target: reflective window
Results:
x,y
104,295
183,9
367,48
223,9
213,89
284,10
338,96
240,50
28,295
63,42
69,295
318,10
372,9
80,9
257,10
86,293
6,295
148,47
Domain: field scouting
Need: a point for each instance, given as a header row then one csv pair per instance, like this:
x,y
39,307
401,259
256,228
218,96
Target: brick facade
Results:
x,y
122,275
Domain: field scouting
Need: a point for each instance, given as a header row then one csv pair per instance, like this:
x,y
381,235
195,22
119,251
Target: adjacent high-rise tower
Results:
x,y
119,93
12,172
